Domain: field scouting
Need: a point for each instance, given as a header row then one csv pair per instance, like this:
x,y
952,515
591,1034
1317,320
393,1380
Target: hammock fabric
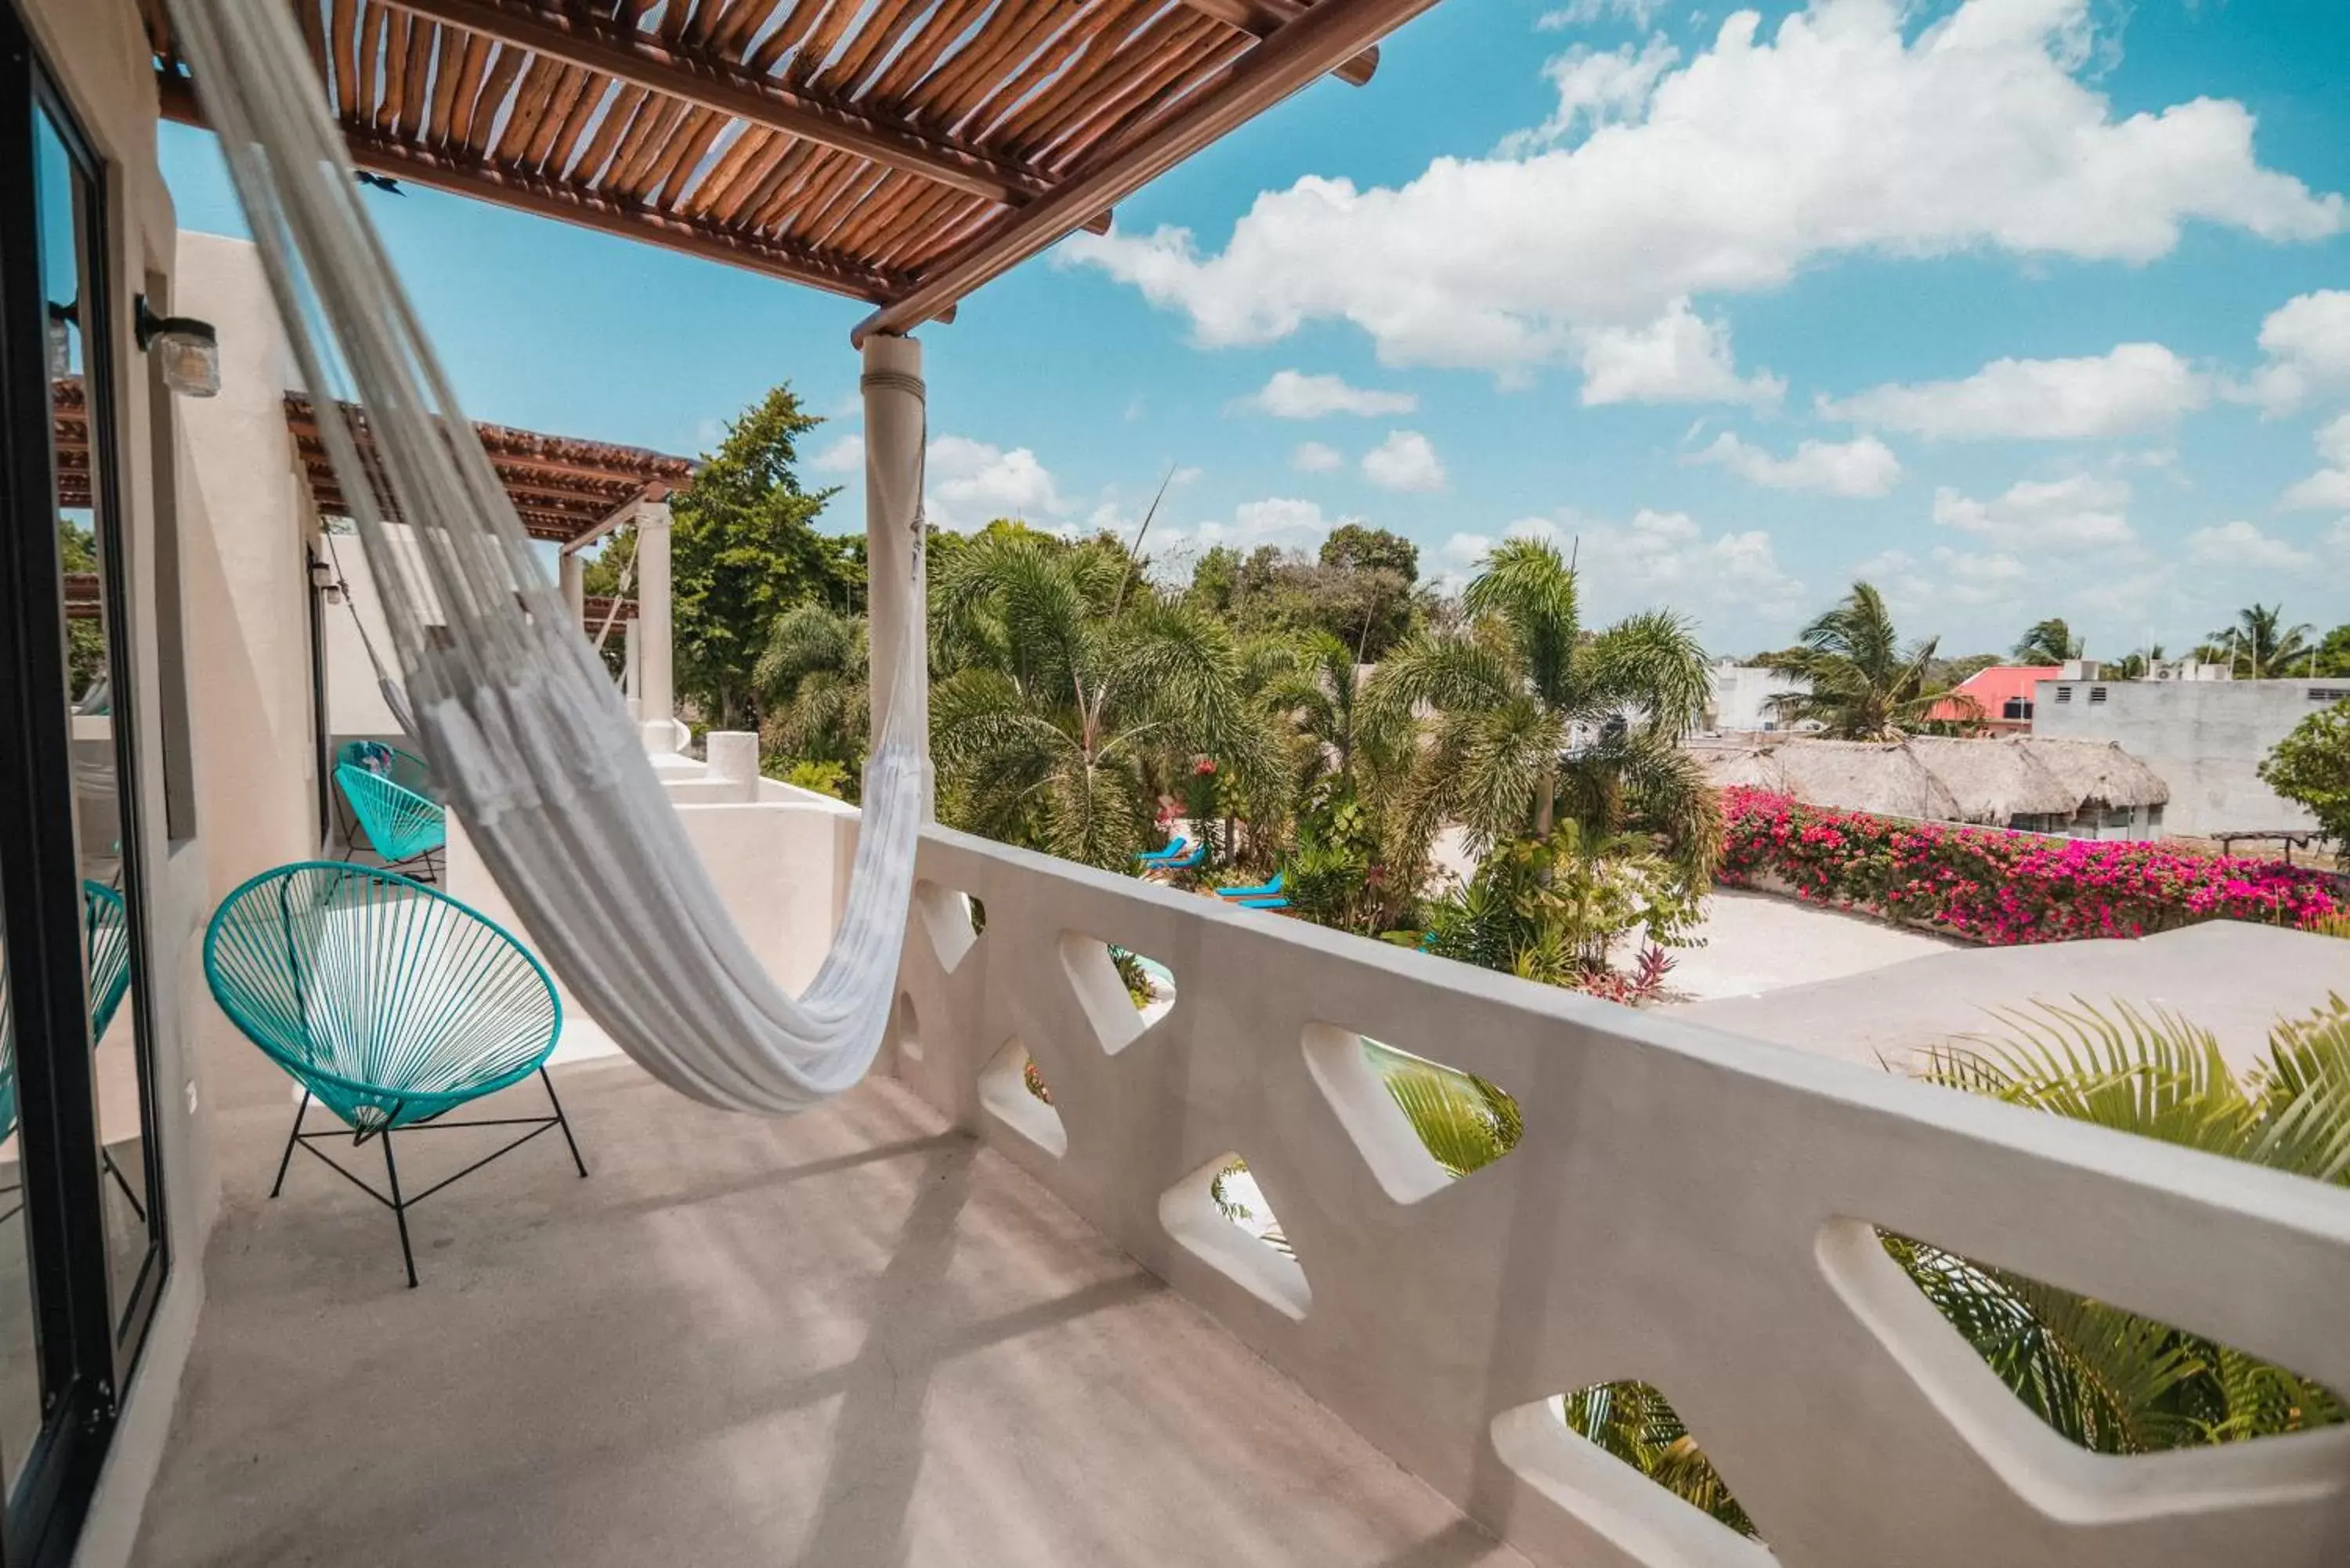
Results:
x,y
521,722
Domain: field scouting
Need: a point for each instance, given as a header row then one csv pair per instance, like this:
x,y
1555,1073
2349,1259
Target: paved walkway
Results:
x,y
1757,942
847,1339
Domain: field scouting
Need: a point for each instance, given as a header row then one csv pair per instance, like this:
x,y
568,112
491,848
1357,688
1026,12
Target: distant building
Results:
x,y
1738,701
2074,788
2001,697
2206,738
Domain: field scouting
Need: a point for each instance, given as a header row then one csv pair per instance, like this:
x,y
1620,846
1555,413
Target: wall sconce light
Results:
x,y
190,351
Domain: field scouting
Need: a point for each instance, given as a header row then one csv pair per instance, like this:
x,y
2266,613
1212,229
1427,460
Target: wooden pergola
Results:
x,y
900,151
903,152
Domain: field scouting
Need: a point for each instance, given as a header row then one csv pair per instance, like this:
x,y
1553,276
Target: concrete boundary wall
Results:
x,y
1686,1207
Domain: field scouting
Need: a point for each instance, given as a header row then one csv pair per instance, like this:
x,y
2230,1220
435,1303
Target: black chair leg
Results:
x,y
564,1122
399,1208
288,1157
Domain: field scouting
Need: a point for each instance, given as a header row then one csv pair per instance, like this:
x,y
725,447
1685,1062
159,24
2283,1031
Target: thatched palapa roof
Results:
x,y
1933,778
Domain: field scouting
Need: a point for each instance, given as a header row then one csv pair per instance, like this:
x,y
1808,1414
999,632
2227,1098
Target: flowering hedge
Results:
x,y
2000,887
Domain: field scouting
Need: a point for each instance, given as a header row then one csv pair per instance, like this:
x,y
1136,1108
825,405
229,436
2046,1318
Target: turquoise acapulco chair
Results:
x,y
391,793
106,950
390,1003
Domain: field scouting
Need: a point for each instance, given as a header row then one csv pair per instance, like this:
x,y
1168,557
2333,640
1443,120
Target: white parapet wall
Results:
x,y
780,857
1686,1207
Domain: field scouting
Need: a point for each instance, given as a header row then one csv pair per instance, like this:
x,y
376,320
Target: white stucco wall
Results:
x,y
2206,738
1738,692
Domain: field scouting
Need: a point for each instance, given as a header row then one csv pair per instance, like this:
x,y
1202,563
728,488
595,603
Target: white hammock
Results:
x,y
516,712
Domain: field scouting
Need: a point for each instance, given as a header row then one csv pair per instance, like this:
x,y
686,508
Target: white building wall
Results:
x,y
2206,738
1740,693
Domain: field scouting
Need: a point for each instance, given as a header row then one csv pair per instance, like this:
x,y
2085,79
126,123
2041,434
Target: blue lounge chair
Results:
x,y
1174,851
390,1003
1261,903
1198,856
1265,891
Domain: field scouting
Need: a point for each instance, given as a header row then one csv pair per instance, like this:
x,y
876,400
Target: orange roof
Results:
x,y
1993,689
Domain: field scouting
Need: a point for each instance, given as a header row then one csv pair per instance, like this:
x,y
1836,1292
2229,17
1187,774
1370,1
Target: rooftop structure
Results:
x,y
2084,789
1998,698
2205,738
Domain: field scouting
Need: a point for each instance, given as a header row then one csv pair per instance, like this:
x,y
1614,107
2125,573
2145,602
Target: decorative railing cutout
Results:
x,y
953,922
1620,1458
1218,1215
906,1028
1010,1086
1421,1124
2105,1380
1122,992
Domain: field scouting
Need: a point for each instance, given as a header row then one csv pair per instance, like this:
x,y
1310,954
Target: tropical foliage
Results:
x,y
1999,888
1071,689
2049,641
813,684
1536,719
1556,910
2312,765
1864,684
2259,646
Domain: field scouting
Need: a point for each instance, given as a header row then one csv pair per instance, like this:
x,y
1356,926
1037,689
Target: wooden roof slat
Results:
x,y
1072,56
812,56
1139,72
449,61
788,176
693,147
735,31
1262,18
373,29
1290,60
746,152
803,16
631,171
945,25
504,68
1011,26
417,79
314,31
728,88
529,102
345,33
870,43
458,128
617,115
594,92
567,111
1105,134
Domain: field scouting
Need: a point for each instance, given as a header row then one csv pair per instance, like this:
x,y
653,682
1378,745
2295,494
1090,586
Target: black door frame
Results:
x,y
40,875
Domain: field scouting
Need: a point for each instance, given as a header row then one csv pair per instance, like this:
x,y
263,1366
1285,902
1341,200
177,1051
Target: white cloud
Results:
x,y
2328,489
2083,512
1676,358
844,455
1285,522
972,482
1947,579
1312,457
1583,13
1292,396
1659,560
1865,467
1596,88
2137,387
1406,460
2241,544
1836,134
2307,341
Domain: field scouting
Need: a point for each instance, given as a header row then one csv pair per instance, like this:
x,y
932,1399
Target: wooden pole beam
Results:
x,y
1296,55
1262,18
713,82
568,203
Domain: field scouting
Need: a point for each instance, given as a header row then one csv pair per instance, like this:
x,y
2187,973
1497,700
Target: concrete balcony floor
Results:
x,y
847,1338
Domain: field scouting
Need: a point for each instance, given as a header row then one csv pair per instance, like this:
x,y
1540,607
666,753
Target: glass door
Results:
x,y
81,1258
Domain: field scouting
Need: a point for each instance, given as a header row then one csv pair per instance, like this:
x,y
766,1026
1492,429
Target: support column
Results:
x,y
631,678
658,703
895,428
573,575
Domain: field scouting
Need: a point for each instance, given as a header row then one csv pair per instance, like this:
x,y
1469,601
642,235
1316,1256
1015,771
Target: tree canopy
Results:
x,y
2049,641
1865,684
2312,766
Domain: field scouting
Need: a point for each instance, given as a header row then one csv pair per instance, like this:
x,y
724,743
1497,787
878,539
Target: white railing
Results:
x,y
1685,1208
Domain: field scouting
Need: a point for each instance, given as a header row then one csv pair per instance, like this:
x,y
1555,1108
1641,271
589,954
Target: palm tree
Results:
x,y
1536,717
1863,685
813,682
2259,645
2049,641
1068,694
2110,1380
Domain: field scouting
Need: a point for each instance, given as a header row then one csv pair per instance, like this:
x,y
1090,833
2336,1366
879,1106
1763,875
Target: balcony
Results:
x,y
941,1321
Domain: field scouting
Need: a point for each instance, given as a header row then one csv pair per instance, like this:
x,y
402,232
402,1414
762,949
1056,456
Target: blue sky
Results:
x,y
2017,307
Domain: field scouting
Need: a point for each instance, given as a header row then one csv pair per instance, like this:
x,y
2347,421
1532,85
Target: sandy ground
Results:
x,y
1756,942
